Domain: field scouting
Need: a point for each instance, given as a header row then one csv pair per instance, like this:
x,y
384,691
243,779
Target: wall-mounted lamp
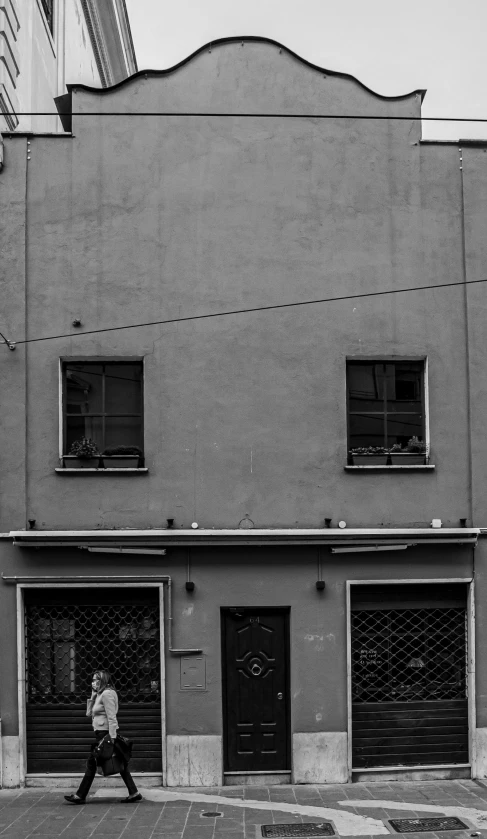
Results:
x,y
320,583
189,585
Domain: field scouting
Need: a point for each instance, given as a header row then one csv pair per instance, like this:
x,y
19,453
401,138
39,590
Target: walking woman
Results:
x,y
102,707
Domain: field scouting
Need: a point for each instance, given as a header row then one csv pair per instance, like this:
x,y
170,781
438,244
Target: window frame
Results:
x,y
47,7
391,359
66,360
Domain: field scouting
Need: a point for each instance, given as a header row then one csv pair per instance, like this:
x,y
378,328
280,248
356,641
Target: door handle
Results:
x,y
279,695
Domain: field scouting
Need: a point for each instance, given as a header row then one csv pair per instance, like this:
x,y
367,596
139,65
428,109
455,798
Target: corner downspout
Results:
x,y
467,339
472,714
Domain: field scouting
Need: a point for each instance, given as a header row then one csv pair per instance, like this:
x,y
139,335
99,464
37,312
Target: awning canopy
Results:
x,y
165,538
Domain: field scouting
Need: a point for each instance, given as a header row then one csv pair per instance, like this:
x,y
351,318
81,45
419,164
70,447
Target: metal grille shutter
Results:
x,y
409,676
68,636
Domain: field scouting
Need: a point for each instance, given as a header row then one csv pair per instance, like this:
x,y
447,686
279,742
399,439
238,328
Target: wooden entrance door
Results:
x,y
255,645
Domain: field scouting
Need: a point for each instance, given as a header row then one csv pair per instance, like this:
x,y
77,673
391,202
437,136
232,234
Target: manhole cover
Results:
x,y
308,829
423,825
211,815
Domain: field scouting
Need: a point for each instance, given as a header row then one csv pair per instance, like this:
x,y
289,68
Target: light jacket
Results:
x,y
103,710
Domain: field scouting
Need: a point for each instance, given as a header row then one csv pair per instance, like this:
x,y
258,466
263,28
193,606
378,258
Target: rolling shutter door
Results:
x,y
409,700
68,635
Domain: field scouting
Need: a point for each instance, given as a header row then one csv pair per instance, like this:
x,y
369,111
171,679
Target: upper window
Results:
x,y
48,7
385,403
103,402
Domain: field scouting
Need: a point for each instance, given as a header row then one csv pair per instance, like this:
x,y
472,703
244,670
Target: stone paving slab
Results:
x,y
40,814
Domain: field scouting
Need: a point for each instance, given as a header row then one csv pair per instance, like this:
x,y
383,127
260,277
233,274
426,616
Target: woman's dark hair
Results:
x,y
105,680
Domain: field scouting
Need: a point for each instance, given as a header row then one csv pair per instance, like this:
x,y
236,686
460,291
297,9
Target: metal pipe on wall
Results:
x,y
165,579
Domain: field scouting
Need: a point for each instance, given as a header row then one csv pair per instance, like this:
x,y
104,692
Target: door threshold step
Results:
x,y
256,779
70,780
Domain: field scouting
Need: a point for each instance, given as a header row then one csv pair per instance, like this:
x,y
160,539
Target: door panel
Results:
x,y
255,677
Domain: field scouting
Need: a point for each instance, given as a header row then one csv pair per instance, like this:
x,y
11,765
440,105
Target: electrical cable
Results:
x,y
11,344
233,116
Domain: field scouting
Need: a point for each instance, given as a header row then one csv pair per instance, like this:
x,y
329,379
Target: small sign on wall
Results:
x,y
193,672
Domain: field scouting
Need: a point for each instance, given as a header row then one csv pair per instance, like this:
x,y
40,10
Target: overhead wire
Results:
x,y
11,344
245,115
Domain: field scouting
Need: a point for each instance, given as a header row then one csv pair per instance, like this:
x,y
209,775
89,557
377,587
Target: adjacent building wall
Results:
x,y
38,60
44,59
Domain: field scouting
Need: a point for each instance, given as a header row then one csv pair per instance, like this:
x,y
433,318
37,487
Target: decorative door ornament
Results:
x,y
255,664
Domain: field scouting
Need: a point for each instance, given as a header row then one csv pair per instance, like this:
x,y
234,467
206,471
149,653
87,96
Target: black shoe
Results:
x,y
131,799
73,800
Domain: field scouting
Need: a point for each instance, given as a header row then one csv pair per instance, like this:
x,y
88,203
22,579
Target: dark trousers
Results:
x,y
90,772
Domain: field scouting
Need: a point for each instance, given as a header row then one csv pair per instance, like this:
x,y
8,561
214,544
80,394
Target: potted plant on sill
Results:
x,y
83,454
413,453
121,457
369,456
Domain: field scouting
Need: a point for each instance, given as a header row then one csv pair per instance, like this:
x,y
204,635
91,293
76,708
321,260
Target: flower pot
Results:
x,y
120,461
73,462
369,459
408,459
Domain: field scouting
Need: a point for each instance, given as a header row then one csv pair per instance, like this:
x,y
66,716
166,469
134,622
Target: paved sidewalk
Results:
x,y
356,809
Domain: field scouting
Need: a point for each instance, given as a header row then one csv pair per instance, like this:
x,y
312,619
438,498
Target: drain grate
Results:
x,y
211,814
307,829
423,825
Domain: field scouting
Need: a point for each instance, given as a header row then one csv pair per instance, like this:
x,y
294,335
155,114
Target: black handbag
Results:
x,y
123,747
112,756
104,749
112,765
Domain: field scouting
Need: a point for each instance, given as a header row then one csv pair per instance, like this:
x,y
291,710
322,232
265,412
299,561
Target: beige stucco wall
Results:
x,y
142,218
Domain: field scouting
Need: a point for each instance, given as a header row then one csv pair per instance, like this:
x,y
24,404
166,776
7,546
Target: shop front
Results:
x,y
409,676
245,657
69,634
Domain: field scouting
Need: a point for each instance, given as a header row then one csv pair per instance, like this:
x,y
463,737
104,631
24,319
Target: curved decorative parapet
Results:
x,y
223,78
242,40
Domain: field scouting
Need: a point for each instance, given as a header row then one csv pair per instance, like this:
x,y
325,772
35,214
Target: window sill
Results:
x,y
61,471
419,467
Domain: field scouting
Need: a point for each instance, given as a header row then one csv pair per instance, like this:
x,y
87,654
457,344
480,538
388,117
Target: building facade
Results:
x,y
274,606
46,43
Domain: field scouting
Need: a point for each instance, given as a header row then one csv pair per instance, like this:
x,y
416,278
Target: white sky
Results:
x,y
391,47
